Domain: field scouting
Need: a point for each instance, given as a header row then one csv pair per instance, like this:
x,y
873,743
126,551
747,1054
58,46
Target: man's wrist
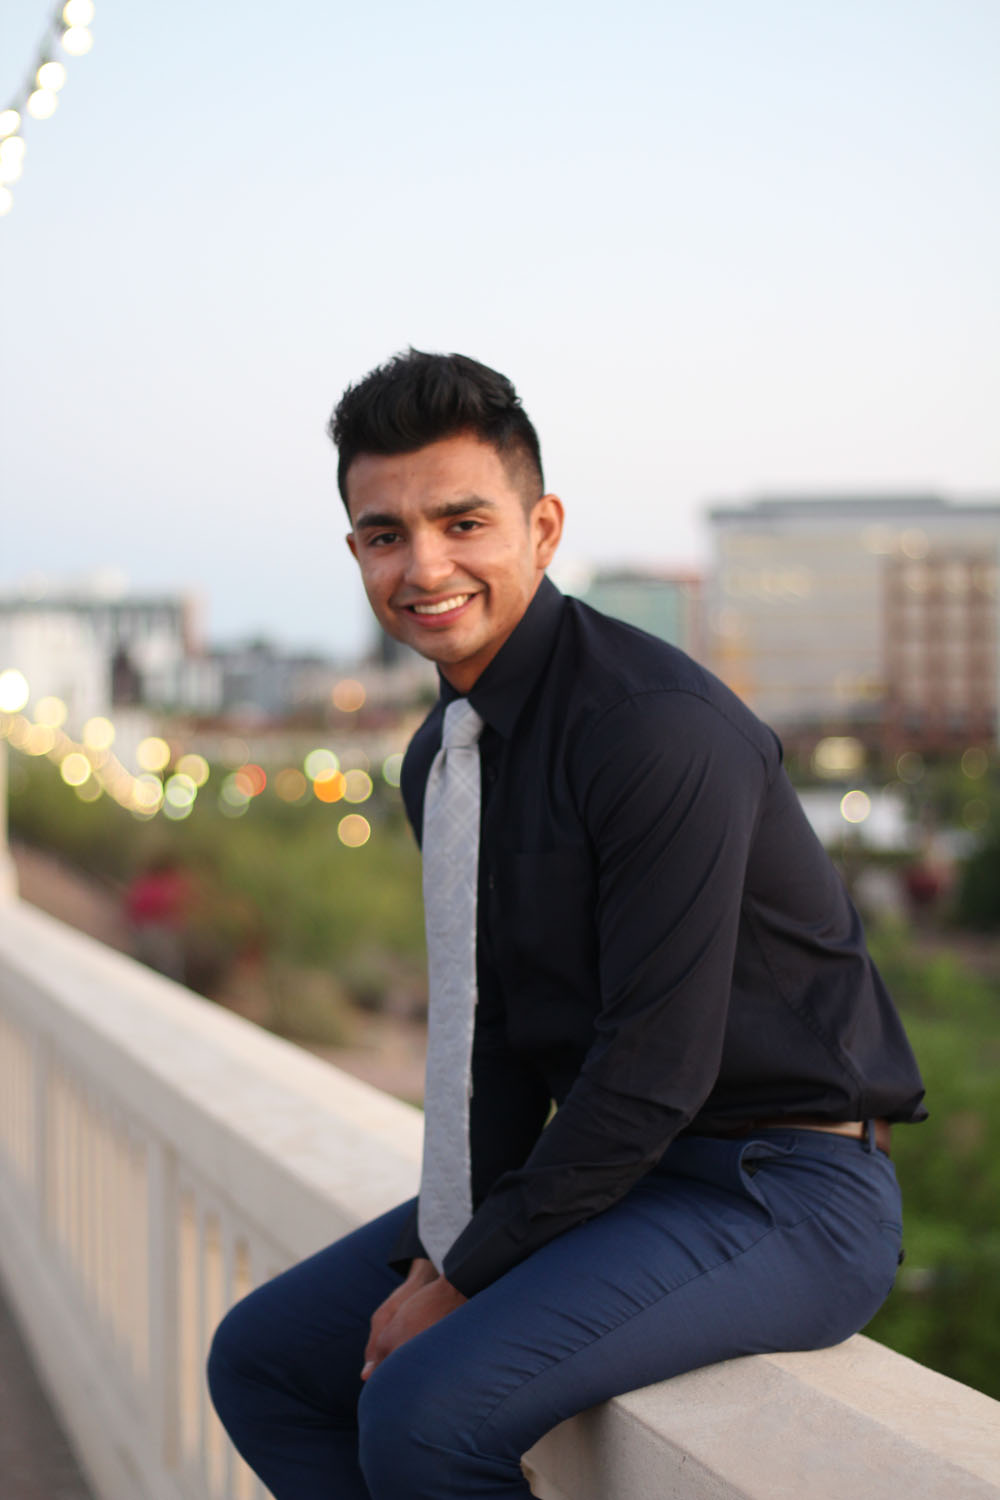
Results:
x,y
421,1273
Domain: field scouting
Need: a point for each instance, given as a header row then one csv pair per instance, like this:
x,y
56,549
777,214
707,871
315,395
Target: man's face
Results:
x,y
449,555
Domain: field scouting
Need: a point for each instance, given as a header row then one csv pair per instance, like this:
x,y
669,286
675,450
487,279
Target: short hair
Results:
x,y
416,398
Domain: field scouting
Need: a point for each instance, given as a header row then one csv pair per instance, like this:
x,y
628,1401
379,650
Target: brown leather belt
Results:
x,y
856,1129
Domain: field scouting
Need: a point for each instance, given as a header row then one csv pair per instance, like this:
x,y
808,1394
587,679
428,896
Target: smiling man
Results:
x,y
629,919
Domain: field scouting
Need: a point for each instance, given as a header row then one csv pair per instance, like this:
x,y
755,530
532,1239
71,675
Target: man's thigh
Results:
x,y
741,1249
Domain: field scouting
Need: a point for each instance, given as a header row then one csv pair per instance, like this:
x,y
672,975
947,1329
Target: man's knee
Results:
x,y
234,1353
418,1430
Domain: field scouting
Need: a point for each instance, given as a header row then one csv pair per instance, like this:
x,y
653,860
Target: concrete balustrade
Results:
x,y
159,1157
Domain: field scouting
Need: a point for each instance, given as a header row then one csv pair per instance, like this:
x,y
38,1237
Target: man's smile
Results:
x,y
455,601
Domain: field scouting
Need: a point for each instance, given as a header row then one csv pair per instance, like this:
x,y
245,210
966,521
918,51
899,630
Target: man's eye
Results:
x,y
382,538
467,524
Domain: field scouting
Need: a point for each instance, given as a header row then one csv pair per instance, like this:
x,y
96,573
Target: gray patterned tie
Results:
x,y
451,872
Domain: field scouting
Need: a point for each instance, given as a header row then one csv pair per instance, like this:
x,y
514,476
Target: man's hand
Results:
x,y
423,1299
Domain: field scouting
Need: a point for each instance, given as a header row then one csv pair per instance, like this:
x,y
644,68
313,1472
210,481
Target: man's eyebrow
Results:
x,y
442,512
377,518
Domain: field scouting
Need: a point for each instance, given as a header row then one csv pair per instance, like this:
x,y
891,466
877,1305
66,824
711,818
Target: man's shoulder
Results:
x,y
614,681
621,698
611,661
626,652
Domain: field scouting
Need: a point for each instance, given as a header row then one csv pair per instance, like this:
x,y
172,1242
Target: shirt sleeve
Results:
x,y
670,791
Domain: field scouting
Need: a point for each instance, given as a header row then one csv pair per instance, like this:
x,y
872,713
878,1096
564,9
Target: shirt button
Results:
x,y
490,882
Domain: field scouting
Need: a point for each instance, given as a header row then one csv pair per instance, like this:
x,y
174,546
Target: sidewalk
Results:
x,y
36,1461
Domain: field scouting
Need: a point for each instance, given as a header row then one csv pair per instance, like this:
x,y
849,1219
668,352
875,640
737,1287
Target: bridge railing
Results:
x,y
159,1157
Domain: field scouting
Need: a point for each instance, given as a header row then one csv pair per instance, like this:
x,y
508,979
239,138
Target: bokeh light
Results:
x,y
42,103
251,779
147,794
914,544
14,691
180,791
910,766
233,798
99,734
176,812
330,787
75,769
153,753
838,755
77,41
855,806
12,151
51,711
10,121
39,739
78,12
319,763
348,696
90,791
392,769
354,830
291,785
51,75
195,766
975,761
232,794
357,786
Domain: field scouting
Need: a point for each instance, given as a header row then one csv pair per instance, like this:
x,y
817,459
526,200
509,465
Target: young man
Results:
x,y
628,916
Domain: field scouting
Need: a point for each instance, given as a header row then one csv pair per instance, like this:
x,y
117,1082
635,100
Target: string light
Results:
x,y
42,103
51,75
78,12
69,29
11,158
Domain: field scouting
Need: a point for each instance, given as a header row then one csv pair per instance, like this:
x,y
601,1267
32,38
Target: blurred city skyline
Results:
x,y
722,252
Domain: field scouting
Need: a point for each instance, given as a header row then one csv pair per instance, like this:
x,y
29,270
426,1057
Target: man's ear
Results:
x,y
546,522
349,539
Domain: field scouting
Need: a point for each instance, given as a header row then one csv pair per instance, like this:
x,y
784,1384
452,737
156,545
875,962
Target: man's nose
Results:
x,y
429,564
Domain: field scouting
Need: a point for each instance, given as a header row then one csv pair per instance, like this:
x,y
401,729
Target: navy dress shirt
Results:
x,y
663,945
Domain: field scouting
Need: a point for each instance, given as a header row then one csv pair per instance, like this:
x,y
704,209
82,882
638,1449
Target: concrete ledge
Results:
x,y
855,1420
288,1147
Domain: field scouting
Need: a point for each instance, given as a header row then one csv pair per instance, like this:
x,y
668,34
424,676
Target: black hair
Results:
x,y
417,398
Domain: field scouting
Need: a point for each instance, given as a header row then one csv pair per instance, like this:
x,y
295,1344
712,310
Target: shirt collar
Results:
x,y
504,687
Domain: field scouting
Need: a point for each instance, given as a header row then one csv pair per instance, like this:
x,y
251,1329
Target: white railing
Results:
x,y
159,1157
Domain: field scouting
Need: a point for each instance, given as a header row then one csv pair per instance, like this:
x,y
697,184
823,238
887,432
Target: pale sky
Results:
x,y
723,247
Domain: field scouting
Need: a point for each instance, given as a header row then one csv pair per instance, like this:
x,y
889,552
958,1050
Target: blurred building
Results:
x,y
872,616
96,652
665,603
60,657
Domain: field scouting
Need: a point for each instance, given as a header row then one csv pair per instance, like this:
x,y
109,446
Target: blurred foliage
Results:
x,y
978,896
276,898
945,1309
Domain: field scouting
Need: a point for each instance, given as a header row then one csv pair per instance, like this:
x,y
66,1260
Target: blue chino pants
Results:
x,y
786,1240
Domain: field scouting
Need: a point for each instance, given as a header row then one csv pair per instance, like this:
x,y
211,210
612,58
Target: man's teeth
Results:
x,y
440,609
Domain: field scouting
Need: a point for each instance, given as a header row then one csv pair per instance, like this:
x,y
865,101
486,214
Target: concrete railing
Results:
x,y
158,1157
